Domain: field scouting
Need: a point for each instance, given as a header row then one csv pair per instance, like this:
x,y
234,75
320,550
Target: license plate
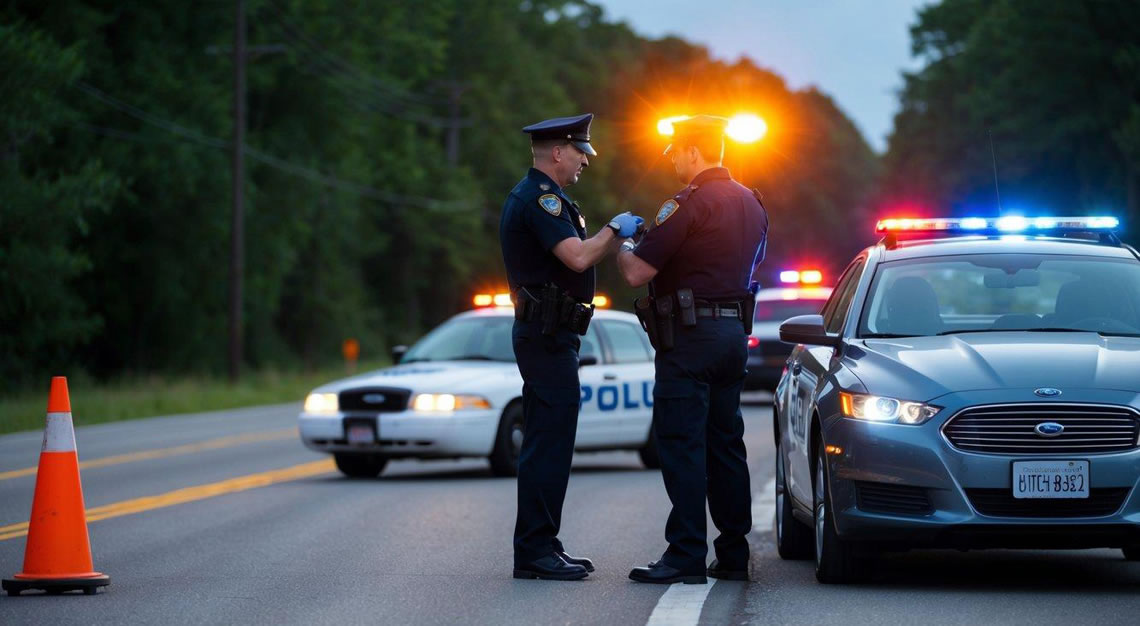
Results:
x,y
1050,479
360,434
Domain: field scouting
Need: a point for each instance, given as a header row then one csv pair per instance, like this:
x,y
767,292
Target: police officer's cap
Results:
x,y
696,128
574,129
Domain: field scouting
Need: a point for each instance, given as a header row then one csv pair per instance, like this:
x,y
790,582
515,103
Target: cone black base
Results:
x,y
16,586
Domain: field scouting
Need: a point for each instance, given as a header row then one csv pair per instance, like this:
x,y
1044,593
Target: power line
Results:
x,y
259,156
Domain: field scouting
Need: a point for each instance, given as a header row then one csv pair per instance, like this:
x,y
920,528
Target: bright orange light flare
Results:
x,y
601,301
483,299
811,277
503,299
746,128
665,126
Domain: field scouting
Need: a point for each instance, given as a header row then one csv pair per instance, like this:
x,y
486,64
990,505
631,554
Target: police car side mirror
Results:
x,y
398,353
807,329
583,361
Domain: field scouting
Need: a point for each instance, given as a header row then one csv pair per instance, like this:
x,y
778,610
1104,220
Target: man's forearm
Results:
x,y
580,255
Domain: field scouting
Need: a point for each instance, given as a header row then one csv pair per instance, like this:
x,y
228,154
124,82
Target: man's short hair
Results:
x,y
711,147
545,145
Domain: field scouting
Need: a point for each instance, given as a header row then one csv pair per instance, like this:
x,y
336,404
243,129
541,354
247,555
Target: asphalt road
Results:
x,y
236,533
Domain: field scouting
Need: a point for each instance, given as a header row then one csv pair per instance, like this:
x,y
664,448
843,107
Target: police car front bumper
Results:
x,y
908,486
405,434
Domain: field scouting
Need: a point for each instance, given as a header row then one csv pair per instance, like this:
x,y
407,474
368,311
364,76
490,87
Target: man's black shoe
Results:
x,y
577,560
723,573
662,574
551,567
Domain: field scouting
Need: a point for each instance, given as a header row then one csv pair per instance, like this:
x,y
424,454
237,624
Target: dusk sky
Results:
x,y
853,50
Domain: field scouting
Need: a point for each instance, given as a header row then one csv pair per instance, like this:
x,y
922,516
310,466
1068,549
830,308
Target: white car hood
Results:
x,y
432,377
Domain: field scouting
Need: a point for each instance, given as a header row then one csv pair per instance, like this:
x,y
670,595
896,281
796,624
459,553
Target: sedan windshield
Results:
x,y
1003,292
468,339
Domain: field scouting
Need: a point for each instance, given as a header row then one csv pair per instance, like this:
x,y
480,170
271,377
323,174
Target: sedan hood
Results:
x,y
923,368
431,377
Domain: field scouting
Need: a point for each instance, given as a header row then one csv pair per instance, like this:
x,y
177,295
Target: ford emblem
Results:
x,y
1049,429
374,398
1047,392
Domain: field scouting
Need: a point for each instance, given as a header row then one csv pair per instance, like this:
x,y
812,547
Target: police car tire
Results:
x,y
793,539
648,453
504,459
360,465
837,561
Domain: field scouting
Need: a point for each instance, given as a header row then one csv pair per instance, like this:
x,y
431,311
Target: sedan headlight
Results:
x,y
321,403
446,402
883,409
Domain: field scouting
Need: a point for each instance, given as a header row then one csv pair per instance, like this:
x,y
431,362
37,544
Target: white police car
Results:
x,y
457,393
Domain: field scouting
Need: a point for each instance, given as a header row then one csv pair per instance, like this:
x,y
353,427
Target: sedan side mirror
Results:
x,y
398,353
583,361
807,329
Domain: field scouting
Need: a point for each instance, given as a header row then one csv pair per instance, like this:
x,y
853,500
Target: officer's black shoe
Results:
x,y
724,573
577,560
662,574
551,567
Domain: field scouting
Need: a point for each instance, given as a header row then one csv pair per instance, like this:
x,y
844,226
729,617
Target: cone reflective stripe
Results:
x,y
58,552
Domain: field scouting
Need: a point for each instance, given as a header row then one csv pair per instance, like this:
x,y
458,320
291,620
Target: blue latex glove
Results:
x,y
626,224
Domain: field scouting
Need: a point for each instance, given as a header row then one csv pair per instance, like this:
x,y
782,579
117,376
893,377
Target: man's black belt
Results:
x,y
717,312
553,307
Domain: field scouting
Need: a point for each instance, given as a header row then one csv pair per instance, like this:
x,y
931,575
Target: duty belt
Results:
x,y
717,311
554,307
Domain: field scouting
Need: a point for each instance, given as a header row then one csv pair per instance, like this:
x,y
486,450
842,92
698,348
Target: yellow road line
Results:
x,y
190,494
190,448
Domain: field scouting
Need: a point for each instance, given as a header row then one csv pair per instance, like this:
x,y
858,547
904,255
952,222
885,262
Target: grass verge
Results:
x,y
95,403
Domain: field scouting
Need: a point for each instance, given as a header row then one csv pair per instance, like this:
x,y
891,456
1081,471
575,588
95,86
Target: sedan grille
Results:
x,y
1012,429
1001,503
374,400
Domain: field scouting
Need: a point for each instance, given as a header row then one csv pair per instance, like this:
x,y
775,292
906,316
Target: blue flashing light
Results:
x,y
1012,223
998,225
973,223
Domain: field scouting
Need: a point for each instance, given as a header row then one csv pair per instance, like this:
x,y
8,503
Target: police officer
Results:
x,y
550,267
699,257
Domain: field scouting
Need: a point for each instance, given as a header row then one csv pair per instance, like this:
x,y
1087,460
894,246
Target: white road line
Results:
x,y
680,605
764,508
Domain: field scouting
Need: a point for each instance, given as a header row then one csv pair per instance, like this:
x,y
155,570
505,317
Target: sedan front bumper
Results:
x,y
909,486
406,434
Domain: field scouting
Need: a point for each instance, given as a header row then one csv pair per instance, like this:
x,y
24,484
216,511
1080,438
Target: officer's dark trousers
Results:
x,y
551,397
700,438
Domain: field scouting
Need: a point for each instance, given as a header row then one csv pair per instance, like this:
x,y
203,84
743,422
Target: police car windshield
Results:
x,y
466,339
780,310
1003,292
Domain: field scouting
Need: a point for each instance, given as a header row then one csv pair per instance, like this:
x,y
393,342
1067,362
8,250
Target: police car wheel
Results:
x,y
793,539
508,442
1131,553
648,453
836,560
360,465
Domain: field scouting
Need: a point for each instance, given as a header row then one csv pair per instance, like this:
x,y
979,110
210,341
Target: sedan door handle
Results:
x,y
609,376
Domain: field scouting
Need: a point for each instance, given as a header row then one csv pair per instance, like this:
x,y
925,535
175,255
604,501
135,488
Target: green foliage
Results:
x,y
115,167
1056,82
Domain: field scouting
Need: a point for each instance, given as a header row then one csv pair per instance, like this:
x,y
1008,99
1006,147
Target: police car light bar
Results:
x,y
483,300
1006,224
806,277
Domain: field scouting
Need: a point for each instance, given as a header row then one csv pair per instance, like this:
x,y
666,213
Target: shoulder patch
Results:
x,y
669,208
551,204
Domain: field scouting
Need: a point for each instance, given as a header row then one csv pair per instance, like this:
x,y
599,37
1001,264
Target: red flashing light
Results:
x,y
753,342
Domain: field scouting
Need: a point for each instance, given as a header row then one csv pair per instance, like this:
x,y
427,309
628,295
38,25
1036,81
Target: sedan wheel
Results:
x,y
508,442
793,539
836,560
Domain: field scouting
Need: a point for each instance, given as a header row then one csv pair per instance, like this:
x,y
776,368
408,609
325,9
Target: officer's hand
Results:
x,y
626,224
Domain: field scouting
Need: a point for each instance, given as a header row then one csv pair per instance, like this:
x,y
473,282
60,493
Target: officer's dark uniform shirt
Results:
x,y
537,215
700,236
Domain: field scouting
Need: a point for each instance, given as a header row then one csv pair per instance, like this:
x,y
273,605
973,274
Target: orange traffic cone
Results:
x,y
58,553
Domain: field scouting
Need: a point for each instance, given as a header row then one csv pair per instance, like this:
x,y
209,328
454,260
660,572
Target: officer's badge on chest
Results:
x,y
669,208
551,204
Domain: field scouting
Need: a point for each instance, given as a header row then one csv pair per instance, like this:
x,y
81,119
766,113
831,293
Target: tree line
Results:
x,y
382,139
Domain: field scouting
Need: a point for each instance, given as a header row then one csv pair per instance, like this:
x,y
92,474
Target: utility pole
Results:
x,y
237,218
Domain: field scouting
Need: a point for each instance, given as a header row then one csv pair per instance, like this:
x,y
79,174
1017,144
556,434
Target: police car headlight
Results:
x,y
447,402
321,403
883,409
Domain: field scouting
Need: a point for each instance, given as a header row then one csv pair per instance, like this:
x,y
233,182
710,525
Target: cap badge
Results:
x,y
551,204
669,208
